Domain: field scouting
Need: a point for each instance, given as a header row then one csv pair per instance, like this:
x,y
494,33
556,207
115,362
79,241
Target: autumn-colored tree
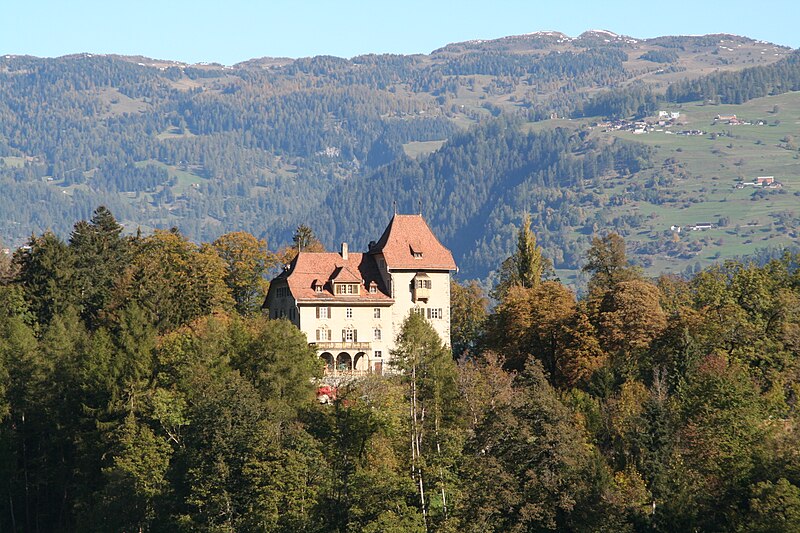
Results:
x,y
582,354
608,264
630,318
247,261
531,322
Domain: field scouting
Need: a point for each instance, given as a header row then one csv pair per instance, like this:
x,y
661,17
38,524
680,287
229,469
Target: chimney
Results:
x,y
344,251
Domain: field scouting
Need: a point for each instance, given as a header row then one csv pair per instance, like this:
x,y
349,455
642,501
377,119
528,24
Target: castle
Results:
x,y
351,306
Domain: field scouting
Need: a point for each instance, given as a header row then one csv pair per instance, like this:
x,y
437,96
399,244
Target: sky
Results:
x,y
230,31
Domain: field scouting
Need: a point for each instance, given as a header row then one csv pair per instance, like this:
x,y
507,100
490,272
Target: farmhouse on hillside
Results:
x,y
351,306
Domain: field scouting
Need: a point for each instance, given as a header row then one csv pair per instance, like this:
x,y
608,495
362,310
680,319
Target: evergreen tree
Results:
x,y
526,266
100,255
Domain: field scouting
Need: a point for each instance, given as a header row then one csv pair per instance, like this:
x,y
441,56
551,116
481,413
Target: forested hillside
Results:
x,y
268,144
142,390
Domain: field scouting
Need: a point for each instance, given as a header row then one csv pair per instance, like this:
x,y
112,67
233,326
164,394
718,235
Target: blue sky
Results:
x,y
228,31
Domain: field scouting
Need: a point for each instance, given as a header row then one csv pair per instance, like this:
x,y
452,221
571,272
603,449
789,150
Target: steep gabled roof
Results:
x,y
408,235
345,275
309,267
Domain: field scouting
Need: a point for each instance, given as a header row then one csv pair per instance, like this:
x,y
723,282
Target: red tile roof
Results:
x,y
409,234
345,275
322,267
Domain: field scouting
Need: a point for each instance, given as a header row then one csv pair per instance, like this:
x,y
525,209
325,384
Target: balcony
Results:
x,y
342,346
345,373
421,285
422,293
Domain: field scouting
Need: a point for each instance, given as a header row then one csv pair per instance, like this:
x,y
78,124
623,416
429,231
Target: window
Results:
x,y
378,354
376,334
424,284
419,310
347,288
373,288
323,334
318,288
417,255
348,312
349,335
434,312
376,313
323,312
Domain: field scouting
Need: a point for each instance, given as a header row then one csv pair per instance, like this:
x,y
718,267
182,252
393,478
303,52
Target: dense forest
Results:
x,y
141,389
268,144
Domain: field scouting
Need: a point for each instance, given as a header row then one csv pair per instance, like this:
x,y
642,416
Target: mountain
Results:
x,y
477,132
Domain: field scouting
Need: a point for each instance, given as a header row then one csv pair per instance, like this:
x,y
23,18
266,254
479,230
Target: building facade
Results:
x,y
351,306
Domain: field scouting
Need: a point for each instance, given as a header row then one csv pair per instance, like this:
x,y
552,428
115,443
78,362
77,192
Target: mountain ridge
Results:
x,y
263,145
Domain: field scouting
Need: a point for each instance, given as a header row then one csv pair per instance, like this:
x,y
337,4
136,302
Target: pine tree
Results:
x,y
526,266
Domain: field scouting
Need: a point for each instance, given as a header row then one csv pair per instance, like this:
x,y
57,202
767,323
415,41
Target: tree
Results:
x,y
529,465
231,453
6,267
582,354
303,240
608,264
100,255
484,384
173,280
530,323
468,311
526,266
247,260
47,275
429,373
630,319
774,507
276,358
721,437
135,479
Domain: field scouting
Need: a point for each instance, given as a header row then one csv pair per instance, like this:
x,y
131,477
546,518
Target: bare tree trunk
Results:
x,y
416,437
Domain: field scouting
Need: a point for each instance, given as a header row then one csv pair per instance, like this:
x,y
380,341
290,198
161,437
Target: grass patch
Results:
x,y
416,149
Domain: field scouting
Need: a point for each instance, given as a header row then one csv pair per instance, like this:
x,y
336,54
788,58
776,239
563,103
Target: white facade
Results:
x,y
352,306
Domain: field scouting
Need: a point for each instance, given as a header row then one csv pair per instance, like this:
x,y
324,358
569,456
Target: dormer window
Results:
x,y
416,250
317,285
348,289
373,287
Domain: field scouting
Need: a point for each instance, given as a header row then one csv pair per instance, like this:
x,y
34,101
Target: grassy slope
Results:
x,y
704,186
